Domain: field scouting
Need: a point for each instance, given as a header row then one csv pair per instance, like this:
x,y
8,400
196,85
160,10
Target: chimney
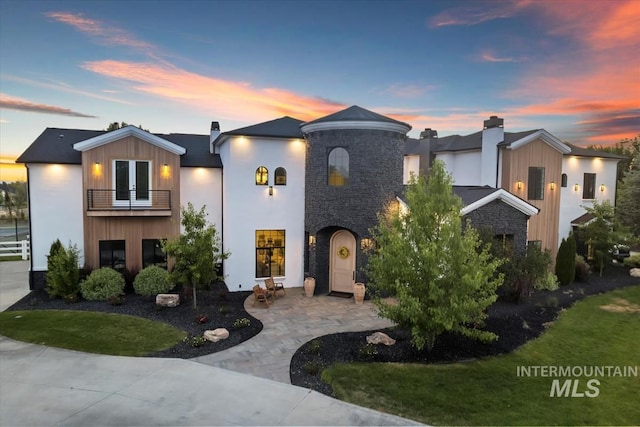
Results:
x,y
492,135
428,133
215,132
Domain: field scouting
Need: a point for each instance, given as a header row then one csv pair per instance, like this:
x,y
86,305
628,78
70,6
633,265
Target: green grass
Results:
x,y
489,392
90,332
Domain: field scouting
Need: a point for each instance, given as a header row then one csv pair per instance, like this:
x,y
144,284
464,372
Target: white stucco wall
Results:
x,y
571,201
55,204
464,167
411,166
248,207
203,187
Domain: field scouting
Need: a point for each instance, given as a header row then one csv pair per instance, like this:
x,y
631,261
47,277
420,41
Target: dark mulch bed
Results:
x,y
514,323
221,308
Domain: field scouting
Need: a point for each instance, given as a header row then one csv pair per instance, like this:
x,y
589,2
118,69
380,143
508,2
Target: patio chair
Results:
x,y
273,286
261,295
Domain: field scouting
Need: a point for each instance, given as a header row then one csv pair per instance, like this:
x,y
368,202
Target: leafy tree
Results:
x,y
116,126
436,273
627,147
628,201
599,234
566,261
63,275
195,252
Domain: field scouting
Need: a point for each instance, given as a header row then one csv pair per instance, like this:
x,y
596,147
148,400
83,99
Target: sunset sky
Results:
x,y
570,67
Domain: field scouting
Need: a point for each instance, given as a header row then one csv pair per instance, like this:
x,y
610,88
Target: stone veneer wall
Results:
x,y
502,219
375,179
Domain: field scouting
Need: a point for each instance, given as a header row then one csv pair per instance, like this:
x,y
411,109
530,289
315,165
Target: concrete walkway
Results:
x,y
44,386
289,322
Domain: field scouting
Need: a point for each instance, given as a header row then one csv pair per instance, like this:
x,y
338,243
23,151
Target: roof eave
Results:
x,y
545,136
124,132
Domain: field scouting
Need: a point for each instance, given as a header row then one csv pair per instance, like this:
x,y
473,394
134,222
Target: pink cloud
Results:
x,y
477,14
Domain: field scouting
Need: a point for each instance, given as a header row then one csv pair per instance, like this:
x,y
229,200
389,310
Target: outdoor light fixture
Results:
x,y
96,168
553,185
271,190
602,187
576,187
519,185
366,244
165,170
312,240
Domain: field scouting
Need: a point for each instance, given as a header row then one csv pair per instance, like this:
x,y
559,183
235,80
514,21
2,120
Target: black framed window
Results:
x,y
270,250
281,176
152,253
338,167
589,186
536,183
112,254
563,180
262,176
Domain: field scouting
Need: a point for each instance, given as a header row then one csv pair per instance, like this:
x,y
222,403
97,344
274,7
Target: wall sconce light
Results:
x,y
576,187
165,170
553,185
602,188
96,168
366,244
312,240
271,190
519,185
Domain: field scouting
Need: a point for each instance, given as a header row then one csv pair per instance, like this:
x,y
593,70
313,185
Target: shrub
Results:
x,y
566,261
633,261
314,347
102,284
196,341
152,280
549,282
312,368
241,323
63,275
582,269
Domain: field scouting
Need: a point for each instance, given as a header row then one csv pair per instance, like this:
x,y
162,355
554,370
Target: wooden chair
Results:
x,y
273,286
261,295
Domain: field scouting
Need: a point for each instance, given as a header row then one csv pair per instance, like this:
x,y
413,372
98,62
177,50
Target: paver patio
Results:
x,y
289,322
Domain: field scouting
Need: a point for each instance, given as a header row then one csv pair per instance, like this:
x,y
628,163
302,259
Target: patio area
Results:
x,y
289,322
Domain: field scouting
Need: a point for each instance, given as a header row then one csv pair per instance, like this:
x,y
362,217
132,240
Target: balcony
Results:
x,y
128,202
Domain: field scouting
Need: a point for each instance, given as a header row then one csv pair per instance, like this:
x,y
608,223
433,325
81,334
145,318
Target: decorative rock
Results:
x,y
634,272
168,300
216,334
380,338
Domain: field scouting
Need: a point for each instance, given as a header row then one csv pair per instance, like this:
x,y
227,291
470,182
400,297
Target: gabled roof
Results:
x,y
355,117
473,141
474,197
109,137
284,127
583,219
55,145
587,152
541,134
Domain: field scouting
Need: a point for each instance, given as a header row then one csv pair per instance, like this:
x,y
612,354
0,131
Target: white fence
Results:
x,y
10,249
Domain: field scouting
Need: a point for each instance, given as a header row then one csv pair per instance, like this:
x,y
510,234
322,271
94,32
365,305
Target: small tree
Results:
x,y
628,201
599,234
63,275
438,277
195,252
566,261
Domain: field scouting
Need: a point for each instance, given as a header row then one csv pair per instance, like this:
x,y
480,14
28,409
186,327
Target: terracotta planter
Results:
x,y
309,286
358,292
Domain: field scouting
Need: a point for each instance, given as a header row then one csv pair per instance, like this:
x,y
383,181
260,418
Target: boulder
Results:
x,y
634,272
168,300
380,338
216,334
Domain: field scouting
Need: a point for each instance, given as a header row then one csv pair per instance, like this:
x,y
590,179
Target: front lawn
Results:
x,y
90,332
490,392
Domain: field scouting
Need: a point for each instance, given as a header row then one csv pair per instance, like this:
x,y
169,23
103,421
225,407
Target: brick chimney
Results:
x,y
215,132
492,135
428,133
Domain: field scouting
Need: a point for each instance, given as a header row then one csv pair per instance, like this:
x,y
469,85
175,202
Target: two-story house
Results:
x,y
288,198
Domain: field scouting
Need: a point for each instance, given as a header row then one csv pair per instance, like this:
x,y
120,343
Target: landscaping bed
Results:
x,y
217,308
514,323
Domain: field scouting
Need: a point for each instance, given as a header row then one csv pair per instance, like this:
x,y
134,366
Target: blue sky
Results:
x,y
570,67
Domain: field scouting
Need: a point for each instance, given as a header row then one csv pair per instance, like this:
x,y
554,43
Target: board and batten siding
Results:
x,y
515,168
127,226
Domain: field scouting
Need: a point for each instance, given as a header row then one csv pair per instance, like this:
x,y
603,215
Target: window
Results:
x,y
589,186
270,253
262,176
536,183
338,167
152,253
112,254
564,180
132,182
281,176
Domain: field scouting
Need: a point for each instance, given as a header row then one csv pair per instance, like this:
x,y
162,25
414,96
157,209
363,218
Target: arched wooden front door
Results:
x,y
342,262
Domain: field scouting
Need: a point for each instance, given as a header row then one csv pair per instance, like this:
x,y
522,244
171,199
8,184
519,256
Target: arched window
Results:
x,y
262,176
564,180
338,171
281,176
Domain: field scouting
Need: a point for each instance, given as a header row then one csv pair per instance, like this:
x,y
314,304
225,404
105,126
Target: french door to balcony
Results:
x,y
132,183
